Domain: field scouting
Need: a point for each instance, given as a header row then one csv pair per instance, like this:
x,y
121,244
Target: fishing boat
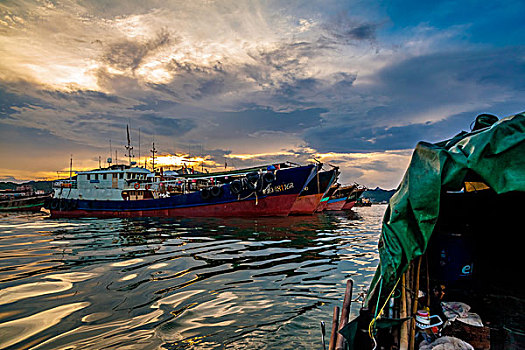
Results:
x,y
324,200
353,197
23,198
339,197
449,257
363,202
127,191
311,196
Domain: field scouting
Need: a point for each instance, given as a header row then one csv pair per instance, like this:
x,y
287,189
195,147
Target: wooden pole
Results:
x,y
345,313
414,304
410,299
403,337
335,325
409,290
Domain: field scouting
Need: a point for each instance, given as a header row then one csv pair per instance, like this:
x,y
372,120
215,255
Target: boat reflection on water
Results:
x,y
190,283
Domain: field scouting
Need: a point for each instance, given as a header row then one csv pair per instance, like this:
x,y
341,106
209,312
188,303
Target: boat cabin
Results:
x,y
105,184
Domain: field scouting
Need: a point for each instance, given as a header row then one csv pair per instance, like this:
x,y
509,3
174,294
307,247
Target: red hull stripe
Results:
x,y
335,205
305,205
321,206
349,205
268,206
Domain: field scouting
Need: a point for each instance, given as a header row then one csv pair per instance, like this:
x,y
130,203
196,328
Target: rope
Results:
x,y
360,297
372,323
248,196
370,326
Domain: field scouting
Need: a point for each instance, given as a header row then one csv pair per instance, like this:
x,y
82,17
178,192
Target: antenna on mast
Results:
x,y
139,148
109,160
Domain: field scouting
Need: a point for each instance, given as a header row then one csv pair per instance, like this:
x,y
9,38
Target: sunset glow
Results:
x,y
356,84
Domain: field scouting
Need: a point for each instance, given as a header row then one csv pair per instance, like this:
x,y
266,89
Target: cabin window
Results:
x,y
104,176
96,176
121,175
88,176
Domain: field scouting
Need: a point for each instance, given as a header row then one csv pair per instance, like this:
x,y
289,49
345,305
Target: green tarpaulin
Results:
x,y
495,153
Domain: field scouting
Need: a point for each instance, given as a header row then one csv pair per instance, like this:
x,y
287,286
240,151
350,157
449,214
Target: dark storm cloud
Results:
x,y
167,126
433,95
154,105
441,72
346,29
9,102
258,120
82,98
128,54
362,32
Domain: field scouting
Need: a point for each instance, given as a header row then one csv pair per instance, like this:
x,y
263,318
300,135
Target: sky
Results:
x,y
354,84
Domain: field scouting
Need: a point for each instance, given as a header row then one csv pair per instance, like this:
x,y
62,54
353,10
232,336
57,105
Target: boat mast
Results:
x,y
129,147
153,151
70,167
110,160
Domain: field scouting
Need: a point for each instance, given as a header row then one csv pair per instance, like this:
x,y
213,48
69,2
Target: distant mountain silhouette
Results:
x,y
378,195
45,186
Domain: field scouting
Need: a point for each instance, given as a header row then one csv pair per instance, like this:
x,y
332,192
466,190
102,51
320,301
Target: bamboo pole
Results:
x,y
335,325
403,338
414,304
345,313
408,288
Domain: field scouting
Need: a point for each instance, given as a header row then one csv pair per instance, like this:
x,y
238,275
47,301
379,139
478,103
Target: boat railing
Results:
x,y
176,185
65,184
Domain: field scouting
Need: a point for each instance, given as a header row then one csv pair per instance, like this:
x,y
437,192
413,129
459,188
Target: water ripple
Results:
x,y
178,284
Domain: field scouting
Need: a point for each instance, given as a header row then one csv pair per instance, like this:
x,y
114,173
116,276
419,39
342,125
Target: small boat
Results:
x,y
23,198
311,196
324,201
339,197
127,191
353,197
363,202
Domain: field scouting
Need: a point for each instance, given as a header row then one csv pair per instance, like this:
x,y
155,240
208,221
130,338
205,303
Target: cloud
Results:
x,y
428,97
129,54
170,127
262,77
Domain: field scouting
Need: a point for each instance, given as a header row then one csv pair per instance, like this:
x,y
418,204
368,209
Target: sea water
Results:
x,y
151,283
